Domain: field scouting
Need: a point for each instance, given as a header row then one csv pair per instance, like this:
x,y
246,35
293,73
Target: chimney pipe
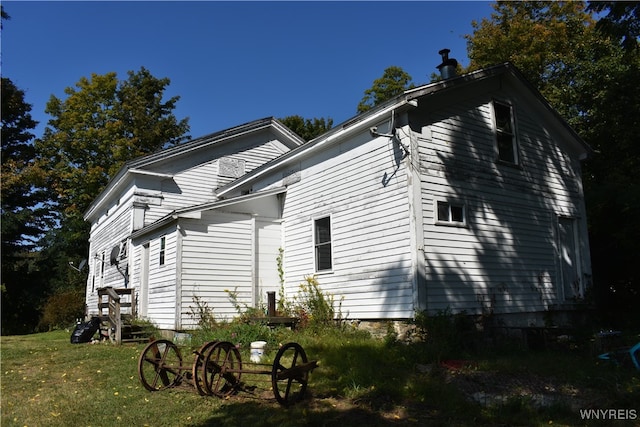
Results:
x,y
448,67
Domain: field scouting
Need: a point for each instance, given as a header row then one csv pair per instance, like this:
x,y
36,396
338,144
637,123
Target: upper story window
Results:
x,y
506,143
322,243
163,244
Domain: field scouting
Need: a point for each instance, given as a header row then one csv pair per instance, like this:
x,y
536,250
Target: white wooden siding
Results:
x,y
162,279
362,185
116,227
216,257
505,259
196,183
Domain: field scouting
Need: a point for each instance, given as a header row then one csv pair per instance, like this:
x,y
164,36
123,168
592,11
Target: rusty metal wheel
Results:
x,y
289,384
196,372
221,369
160,365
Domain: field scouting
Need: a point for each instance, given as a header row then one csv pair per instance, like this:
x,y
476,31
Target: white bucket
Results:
x,y
181,338
257,350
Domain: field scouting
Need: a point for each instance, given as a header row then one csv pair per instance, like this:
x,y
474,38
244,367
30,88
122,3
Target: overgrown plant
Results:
x,y
202,314
314,306
62,309
242,308
284,306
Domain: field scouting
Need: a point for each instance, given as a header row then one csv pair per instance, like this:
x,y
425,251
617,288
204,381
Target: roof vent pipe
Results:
x,y
448,66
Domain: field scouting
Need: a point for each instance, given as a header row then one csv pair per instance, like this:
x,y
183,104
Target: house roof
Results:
x,y
402,102
140,165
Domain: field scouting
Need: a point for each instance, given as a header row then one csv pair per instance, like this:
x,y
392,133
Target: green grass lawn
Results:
x,y
46,381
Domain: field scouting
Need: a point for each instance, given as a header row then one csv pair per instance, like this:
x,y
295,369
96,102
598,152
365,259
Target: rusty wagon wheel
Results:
x,y
221,369
289,384
160,365
196,372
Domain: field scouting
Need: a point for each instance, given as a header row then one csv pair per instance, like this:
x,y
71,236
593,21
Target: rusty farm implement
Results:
x,y
217,369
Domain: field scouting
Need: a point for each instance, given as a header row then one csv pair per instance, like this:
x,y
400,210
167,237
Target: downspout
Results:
x,y
416,229
255,286
178,313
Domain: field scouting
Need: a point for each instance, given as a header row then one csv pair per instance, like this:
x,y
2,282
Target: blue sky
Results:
x,y
233,62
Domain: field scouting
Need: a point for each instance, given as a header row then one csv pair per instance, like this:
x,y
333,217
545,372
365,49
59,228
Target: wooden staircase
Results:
x,y
117,308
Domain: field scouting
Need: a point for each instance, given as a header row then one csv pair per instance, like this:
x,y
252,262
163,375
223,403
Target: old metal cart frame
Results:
x,y
217,369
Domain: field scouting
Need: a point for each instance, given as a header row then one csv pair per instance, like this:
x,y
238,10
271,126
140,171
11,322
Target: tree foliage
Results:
x,y
99,126
622,21
545,40
589,73
24,217
393,82
307,129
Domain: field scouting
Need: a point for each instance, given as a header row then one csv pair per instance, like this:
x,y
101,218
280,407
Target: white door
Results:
x,y
267,250
143,295
569,258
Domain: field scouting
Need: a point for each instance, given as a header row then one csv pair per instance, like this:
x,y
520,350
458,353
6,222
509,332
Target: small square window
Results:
x,y
322,244
451,213
457,213
443,211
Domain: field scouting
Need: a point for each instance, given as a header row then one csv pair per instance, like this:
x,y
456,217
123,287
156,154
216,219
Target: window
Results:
x,y
450,213
505,135
102,267
322,243
162,249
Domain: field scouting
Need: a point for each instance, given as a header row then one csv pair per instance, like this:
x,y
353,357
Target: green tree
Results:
x,y
99,126
393,82
307,129
622,21
589,76
545,40
102,123
24,217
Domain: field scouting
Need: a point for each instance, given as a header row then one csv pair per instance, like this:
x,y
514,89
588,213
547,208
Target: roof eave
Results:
x,y
192,211
353,125
116,185
292,141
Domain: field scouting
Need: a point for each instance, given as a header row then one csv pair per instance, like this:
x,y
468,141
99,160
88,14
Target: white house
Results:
x,y
146,198
464,194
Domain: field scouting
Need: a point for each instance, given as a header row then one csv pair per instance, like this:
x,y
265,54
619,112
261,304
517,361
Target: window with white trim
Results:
x,y
163,244
322,244
506,144
450,213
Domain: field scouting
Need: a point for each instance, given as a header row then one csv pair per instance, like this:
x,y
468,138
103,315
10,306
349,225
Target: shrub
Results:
x,y
202,314
315,307
62,309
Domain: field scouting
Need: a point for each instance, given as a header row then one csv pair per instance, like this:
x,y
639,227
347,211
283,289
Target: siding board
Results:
x,y
506,252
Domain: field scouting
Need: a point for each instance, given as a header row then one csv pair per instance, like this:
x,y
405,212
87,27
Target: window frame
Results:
x,y
450,221
316,245
500,133
162,251
102,263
